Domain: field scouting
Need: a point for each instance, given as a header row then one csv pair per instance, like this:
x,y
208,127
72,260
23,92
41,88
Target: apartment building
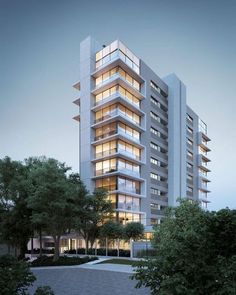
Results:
x,y
137,137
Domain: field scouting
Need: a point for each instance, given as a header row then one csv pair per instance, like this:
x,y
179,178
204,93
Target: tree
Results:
x,y
196,253
55,198
15,276
96,209
111,230
15,218
133,231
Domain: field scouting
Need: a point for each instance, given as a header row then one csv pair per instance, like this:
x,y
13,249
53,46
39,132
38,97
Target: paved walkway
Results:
x,y
100,279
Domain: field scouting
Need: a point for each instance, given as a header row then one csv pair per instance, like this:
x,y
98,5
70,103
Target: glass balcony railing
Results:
x,y
114,151
122,188
115,55
128,135
129,154
128,98
105,153
129,189
116,112
105,135
117,169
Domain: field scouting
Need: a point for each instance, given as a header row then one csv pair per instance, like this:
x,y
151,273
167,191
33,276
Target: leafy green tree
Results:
x,y
44,290
15,222
111,230
133,231
15,276
196,253
96,209
55,198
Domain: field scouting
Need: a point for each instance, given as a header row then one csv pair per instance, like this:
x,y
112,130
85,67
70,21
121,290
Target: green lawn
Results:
x,y
120,261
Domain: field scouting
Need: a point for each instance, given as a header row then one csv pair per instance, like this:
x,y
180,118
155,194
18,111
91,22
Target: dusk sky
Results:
x,y
39,63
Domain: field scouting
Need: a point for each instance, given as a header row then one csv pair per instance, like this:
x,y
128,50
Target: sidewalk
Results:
x,y
94,265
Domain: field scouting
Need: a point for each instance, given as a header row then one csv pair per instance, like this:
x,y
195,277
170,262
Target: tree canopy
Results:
x,y
196,253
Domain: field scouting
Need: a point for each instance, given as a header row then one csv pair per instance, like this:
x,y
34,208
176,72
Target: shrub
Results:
x,y
63,260
45,290
146,253
15,276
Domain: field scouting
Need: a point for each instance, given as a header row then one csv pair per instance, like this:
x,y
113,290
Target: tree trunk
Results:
x,y
86,245
96,246
118,247
57,247
40,243
106,246
32,246
131,248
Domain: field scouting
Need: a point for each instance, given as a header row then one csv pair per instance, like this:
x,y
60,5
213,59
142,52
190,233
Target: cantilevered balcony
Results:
x,y
118,115
116,57
202,162
202,140
202,184
121,153
122,97
118,79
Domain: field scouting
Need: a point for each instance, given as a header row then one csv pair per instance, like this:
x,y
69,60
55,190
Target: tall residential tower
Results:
x,y
138,138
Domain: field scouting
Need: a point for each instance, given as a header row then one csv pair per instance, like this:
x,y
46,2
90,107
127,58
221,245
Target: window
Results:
x,y
128,203
109,183
105,149
105,131
128,131
156,132
155,146
125,217
155,101
155,206
157,88
129,149
202,127
155,117
155,176
105,94
155,162
104,167
155,191
128,185
114,50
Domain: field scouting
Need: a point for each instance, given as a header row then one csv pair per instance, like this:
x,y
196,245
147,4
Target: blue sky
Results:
x,y
39,63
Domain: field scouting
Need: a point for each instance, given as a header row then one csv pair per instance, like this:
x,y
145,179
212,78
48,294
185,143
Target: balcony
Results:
x,y
118,97
117,58
202,184
117,79
202,161
202,140
77,118
126,155
112,171
118,115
